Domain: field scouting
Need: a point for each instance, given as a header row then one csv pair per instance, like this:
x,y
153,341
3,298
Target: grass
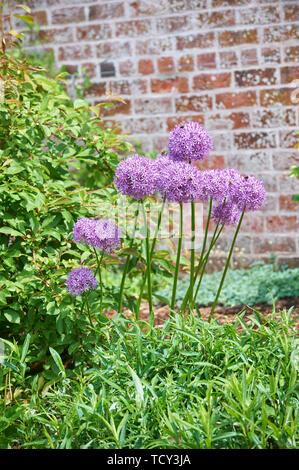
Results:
x,y
188,385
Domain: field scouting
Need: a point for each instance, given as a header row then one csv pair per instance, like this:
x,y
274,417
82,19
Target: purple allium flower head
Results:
x,y
217,183
108,235
80,280
248,193
102,234
227,212
135,177
189,141
181,183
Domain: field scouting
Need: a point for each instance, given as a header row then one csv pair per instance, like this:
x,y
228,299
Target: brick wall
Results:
x,y
224,63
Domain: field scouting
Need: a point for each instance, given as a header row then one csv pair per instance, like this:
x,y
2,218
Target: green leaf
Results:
x,y
58,361
12,316
11,231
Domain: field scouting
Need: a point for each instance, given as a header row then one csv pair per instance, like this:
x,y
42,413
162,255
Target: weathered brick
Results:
x,y
255,140
288,139
249,57
143,125
40,17
145,8
154,46
166,64
171,122
167,85
283,159
195,41
211,163
127,67
253,223
117,108
256,77
281,33
282,223
236,100
74,52
88,69
270,55
113,49
287,203
133,28
172,24
106,11
153,106
236,120
175,6
291,54
186,63
222,142
68,15
96,89
139,86
206,61
146,66
55,36
271,118
260,15
94,32
215,19
211,81
229,3
274,244
194,103
260,161
228,59
291,12
233,38
276,96
288,74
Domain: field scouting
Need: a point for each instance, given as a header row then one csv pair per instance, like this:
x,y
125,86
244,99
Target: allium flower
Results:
x,y
181,183
80,280
102,234
108,235
217,183
135,177
227,212
248,194
189,141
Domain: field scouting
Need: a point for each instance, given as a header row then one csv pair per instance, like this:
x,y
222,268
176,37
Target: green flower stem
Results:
x,y
192,254
99,261
177,265
126,266
88,311
148,270
151,256
188,293
226,267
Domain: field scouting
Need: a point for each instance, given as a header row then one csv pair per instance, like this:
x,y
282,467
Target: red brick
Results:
x,y
268,118
143,125
154,46
249,57
119,87
287,203
280,96
283,159
176,6
291,54
171,122
274,244
195,41
68,15
230,121
215,19
146,66
291,13
206,61
153,106
255,140
260,15
117,108
288,139
288,74
75,52
113,49
246,162
282,223
236,38
228,59
271,55
212,162
90,69
193,103
166,64
281,33
139,87
56,36
94,32
106,11
172,24
186,63
256,77
253,223
40,17
145,8
228,3
179,84
236,100
96,89
211,81
133,28
127,67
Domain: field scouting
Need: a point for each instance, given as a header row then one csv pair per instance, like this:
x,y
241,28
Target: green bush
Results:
x,y
48,142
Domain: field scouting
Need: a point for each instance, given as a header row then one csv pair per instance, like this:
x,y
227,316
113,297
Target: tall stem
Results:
x,y
192,254
148,269
126,266
178,257
226,266
99,261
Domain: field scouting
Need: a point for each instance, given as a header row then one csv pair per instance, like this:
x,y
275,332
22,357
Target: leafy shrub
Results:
x,y
261,283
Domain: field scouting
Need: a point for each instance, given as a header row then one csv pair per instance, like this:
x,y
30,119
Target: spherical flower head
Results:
x,y
108,235
189,141
80,280
135,177
217,183
226,212
84,232
163,171
181,183
248,193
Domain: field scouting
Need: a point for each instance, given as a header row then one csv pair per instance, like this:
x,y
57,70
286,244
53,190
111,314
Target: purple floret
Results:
x,y
217,183
80,280
189,141
249,194
228,213
181,183
135,177
102,234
